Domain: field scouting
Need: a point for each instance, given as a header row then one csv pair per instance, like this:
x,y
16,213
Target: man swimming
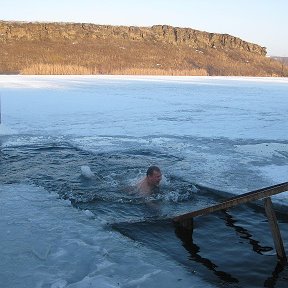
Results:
x,y
150,184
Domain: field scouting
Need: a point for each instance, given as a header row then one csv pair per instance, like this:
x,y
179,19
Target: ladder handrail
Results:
x,y
234,201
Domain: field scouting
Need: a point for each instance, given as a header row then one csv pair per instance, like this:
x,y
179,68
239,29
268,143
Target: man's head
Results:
x,y
154,175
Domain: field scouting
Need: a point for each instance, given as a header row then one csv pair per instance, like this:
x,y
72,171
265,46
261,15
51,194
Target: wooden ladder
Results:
x,y
186,220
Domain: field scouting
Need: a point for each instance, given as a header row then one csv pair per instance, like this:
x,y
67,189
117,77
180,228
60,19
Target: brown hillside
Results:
x,y
72,48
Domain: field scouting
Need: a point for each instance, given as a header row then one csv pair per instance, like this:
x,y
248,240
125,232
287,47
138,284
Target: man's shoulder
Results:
x,y
143,187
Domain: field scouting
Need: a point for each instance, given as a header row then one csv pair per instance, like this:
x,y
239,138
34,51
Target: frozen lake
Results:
x,y
211,136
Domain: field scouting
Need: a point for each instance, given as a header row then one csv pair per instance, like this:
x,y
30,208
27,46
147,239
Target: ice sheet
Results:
x,y
45,242
229,133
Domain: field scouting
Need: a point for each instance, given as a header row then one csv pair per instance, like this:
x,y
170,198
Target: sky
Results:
x,y
263,22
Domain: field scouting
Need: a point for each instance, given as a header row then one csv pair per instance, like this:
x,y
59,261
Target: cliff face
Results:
x,y
199,39
70,31
102,49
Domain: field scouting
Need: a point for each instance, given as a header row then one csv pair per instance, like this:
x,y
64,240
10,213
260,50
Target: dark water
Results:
x,y
229,248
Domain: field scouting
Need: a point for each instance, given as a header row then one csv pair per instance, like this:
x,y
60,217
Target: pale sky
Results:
x,y
262,22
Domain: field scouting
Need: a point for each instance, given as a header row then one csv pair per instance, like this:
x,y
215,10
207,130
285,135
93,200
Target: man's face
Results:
x,y
155,178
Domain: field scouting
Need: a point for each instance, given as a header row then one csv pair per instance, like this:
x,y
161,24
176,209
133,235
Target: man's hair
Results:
x,y
151,170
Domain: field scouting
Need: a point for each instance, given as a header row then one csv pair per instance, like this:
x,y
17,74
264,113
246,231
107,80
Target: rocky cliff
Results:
x,y
119,48
59,31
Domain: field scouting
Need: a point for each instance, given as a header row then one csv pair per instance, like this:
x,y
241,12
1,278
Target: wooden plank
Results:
x,y
275,230
240,199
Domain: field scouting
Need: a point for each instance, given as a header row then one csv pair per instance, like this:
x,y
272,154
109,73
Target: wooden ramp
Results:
x,y
186,220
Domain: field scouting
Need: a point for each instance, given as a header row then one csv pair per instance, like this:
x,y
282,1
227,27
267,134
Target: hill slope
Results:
x,y
77,48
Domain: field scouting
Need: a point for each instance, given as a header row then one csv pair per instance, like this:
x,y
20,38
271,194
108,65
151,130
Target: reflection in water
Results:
x,y
244,234
271,281
185,234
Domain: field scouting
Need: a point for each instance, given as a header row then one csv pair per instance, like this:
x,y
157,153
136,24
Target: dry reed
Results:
x,y
59,69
